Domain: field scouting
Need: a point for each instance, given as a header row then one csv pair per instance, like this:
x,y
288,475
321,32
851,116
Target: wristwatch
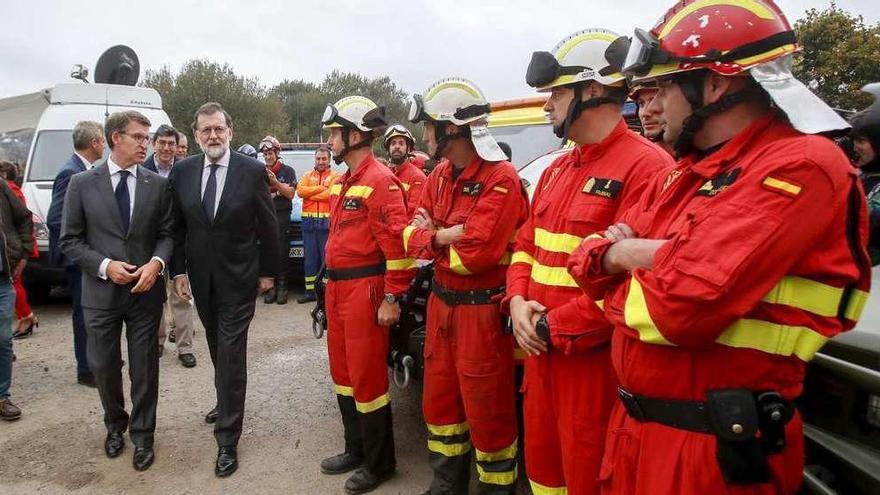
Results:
x,y
390,298
542,328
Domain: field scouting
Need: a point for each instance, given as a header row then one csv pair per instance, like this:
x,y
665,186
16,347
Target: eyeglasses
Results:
x,y
219,130
139,138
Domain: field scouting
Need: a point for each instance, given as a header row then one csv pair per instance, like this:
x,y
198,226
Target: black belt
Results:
x,y
469,297
353,273
681,414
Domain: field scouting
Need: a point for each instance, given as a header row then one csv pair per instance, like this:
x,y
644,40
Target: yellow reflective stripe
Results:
x,y
401,264
758,9
315,214
504,454
505,258
448,430
377,403
593,236
405,186
773,338
336,189
600,303
552,275
556,243
637,317
407,233
359,192
856,305
455,263
449,450
782,185
497,478
311,278
522,257
539,489
343,390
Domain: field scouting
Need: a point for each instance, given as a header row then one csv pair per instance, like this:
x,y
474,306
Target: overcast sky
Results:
x,y
412,41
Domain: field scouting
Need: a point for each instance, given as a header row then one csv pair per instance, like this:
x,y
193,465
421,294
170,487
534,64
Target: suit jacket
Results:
x,y
241,243
72,166
91,230
150,163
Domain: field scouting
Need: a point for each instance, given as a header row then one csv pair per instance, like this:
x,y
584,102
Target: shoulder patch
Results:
x,y
782,186
393,187
502,190
607,188
718,183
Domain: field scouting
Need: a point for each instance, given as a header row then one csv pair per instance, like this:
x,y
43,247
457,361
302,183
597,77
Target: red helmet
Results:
x,y
725,36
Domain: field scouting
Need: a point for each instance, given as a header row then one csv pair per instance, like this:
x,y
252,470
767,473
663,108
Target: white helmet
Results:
x,y
460,102
589,55
354,112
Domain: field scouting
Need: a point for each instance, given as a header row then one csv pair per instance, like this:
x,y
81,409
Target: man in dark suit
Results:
x,y
88,145
226,239
118,227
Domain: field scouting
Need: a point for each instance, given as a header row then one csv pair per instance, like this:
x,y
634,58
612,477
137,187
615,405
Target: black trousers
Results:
x,y
104,329
80,337
283,217
226,328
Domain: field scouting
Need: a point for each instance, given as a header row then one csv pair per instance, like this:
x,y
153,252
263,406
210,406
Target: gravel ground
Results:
x,y
291,419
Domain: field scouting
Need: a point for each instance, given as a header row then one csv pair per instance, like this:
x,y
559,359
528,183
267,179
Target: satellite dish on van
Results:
x,y
118,65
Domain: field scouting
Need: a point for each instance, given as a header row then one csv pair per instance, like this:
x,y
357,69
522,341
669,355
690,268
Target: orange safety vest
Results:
x,y
314,189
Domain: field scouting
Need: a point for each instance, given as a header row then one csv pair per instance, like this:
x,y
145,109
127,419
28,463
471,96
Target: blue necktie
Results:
x,y
123,200
210,193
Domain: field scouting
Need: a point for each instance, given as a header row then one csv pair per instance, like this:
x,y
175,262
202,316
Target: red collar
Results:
x,y
589,152
711,165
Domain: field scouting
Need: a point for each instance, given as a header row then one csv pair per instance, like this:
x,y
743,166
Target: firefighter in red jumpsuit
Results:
x,y
734,268
470,208
367,271
569,386
399,144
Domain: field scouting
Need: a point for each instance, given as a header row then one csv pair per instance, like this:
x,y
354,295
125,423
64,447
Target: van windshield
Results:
x,y
526,141
53,148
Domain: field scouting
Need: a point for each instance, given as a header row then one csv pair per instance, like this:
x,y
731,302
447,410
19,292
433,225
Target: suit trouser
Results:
x,y
315,232
177,316
80,337
104,328
568,399
358,350
468,398
226,324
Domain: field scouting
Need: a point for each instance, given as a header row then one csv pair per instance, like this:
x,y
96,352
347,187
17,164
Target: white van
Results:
x,y
36,131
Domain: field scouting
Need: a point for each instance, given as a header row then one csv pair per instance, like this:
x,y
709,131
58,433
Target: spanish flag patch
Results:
x,y
782,186
393,187
500,189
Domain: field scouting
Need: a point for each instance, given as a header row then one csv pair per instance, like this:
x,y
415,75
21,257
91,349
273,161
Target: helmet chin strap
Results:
x,y
346,132
576,107
443,139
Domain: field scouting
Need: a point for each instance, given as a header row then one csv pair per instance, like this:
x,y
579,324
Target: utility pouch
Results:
x,y
734,419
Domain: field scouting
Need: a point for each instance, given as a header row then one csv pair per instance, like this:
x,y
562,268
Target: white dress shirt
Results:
x,y
86,163
219,176
162,169
131,182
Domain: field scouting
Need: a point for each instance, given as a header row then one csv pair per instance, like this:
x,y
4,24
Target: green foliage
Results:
x,y
255,112
839,56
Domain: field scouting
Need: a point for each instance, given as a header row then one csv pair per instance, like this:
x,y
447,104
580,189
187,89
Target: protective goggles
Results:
x,y
374,118
544,69
644,53
331,116
267,146
417,110
397,130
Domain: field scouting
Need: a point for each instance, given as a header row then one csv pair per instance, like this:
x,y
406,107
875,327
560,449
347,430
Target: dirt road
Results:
x,y
291,419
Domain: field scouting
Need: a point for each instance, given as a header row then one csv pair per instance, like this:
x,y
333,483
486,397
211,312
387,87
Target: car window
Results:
x,y
531,172
53,148
526,141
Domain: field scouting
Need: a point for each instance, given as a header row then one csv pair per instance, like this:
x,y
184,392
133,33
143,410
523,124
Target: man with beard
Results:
x,y
399,144
226,245
642,94
734,268
569,382
470,209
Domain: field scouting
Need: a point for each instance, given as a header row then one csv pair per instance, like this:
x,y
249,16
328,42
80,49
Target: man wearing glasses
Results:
x,y
226,246
177,313
117,227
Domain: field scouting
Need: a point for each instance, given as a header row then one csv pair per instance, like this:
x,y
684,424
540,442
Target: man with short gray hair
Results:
x,y
88,145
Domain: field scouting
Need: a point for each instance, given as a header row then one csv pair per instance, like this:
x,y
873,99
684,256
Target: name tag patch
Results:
x,y
471,188
719,183
351,204
607,188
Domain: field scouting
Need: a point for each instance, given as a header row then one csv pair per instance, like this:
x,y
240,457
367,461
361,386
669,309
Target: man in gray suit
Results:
x,y
117,227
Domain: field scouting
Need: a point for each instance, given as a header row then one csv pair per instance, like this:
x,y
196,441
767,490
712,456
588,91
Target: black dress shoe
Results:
x,y
363,481
143,458
86,379
114,444
211,417
341,463
187,360
227,462
306,298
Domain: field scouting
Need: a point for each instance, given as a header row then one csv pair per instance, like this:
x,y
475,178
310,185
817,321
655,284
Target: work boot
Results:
x,y
341,463
306,298
281,292
269,298
363,481
9,411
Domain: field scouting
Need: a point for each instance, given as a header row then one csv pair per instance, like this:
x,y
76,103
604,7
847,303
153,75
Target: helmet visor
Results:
x,y
643,53
417,110
330,114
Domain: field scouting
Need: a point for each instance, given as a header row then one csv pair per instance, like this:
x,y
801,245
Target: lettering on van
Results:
x,y
139,102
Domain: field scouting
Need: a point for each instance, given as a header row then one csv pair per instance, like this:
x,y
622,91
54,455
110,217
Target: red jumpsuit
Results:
x,y
569,391
365,260
468,391
748,287
413,179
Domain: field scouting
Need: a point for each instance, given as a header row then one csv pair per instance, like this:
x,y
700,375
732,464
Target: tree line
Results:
x,y
839,56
